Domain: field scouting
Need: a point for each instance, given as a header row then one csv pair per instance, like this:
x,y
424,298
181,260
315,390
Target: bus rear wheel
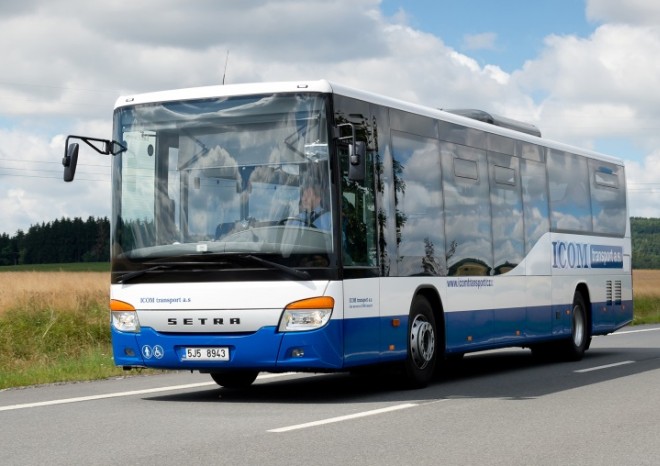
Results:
x,y
241,379
422,344
573,349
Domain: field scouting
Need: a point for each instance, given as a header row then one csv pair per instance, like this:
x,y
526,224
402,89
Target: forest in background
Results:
x,y
645,234
61,241
77,240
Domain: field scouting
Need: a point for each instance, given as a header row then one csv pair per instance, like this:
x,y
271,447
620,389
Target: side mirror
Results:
x,y
357,154
70,160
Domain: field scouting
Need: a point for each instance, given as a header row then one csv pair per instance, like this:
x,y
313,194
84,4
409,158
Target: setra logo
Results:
x,y
204,321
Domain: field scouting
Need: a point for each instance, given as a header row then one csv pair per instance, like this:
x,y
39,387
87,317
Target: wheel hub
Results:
x,y
422,342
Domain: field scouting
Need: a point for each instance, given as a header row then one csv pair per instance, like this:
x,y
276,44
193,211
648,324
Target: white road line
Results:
x,y
606,366
101,397
657,329
147,391
344,418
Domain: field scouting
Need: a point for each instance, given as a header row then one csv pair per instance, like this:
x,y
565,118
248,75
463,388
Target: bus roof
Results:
x,y
471,119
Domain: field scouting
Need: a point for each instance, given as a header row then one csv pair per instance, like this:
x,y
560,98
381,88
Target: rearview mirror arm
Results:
x,y
70,158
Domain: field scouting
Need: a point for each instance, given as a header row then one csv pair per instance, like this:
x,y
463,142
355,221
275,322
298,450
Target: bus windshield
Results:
x,y
248,174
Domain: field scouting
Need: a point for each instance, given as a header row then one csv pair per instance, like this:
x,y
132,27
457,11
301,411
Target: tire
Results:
x,y
241,379
422,344
573,349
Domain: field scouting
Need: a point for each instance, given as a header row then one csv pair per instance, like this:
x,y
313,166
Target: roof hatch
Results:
x,y
497,120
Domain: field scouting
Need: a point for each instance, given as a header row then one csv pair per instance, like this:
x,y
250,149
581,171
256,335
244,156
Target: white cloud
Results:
x,y
598,86
630,11
69,60
644,185
31,186
483,41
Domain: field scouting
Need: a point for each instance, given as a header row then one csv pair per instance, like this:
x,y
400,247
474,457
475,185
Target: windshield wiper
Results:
x,y
131,275
303,275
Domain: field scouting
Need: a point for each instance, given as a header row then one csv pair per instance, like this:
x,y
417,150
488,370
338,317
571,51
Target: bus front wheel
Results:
x,y
422,344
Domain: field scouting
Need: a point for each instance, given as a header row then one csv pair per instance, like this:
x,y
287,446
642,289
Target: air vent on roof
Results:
x,y
497,120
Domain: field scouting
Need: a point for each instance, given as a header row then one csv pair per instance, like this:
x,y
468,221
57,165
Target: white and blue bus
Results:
x,y
445,232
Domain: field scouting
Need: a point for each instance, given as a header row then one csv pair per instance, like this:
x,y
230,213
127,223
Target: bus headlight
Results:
x,y
124,317
308,314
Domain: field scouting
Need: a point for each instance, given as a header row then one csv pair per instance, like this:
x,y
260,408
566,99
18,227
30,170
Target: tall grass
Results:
x,y
646,296
54,326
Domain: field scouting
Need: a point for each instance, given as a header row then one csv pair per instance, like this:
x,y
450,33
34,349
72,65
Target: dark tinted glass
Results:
x,y
506,207
570,200
535,201
467,212
608,198
418,197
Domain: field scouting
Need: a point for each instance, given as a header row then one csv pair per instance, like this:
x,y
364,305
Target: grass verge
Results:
x,y
646,310
42,345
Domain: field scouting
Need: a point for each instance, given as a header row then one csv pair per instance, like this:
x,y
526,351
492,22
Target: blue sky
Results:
x,y
583,71
506,32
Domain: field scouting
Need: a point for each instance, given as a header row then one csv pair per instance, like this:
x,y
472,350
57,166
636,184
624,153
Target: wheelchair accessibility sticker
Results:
x,y
149,352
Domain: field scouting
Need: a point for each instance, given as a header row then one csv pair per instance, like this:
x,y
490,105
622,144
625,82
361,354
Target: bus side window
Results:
x,y
608,198
419,206
467,216
358,217
570,199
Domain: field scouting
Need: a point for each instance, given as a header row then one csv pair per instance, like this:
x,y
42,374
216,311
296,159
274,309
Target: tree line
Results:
x,y
645,234
60,241
74,240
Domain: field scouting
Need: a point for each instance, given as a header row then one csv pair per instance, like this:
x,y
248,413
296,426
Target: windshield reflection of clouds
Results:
x,y
419,203
231,164
570,202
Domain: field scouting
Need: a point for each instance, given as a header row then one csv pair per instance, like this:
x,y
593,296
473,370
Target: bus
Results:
x,y
445,233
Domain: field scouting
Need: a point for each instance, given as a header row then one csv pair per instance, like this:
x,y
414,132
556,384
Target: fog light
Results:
x,y
297,352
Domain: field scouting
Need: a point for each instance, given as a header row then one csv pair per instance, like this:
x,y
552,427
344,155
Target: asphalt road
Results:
x,y
496,408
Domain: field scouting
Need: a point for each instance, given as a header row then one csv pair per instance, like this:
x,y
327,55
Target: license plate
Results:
x,y
206,354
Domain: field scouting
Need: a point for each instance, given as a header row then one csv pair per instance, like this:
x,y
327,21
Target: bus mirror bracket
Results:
x,y
102,146
357,156
357,151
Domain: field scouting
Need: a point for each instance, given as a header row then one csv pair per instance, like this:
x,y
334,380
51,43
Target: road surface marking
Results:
x,y
344,418
606,366
146,391
636,331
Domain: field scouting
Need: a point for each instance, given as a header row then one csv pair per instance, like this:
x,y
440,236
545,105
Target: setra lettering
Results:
x,y
202,321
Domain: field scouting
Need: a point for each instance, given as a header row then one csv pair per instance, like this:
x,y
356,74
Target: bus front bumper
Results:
x,y
264,350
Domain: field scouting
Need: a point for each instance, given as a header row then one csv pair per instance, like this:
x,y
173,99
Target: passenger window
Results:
x,y
535,201
418,200
570,199
469,248
506,208
608,198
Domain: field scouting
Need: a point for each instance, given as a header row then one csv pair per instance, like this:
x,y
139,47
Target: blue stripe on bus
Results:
x,y
353,342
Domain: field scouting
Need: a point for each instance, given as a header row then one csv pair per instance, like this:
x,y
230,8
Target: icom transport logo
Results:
x,y
570,255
